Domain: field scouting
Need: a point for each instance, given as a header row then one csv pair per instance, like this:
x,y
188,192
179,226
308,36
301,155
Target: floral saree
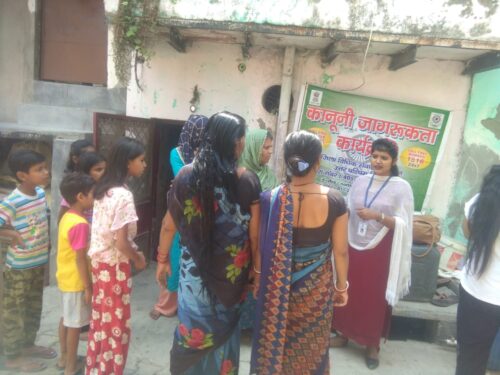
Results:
x,y
294,307
207,339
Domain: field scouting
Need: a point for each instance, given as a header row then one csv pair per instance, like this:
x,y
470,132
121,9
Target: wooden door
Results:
x,y
107,129
74,41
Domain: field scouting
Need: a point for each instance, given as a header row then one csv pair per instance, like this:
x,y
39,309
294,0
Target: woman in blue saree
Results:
x,y
215,208
189,142
301,222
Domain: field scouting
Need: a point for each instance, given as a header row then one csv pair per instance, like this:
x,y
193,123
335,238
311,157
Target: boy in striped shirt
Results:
x,y
24,219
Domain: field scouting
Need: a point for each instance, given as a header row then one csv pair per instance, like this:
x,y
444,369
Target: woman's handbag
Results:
x,y
426,229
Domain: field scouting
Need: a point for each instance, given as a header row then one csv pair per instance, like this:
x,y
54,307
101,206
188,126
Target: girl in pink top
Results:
x,y
111,250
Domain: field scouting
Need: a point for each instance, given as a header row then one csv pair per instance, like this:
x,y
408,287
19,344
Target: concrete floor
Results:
x,y
151,341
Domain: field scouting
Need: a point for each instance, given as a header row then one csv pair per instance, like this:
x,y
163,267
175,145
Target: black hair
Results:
x,y
76,149
88,160
302,149
124,150
215,166
75,183
386,145
269,135
484,222
23,160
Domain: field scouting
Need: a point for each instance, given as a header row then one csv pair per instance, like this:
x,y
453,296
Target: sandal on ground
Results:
x,y
24,365
59,366
79,359
40,352
444,297
80,367
154,314
338,341
371,363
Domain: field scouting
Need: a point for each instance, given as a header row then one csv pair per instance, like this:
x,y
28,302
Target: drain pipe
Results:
x,y
284,112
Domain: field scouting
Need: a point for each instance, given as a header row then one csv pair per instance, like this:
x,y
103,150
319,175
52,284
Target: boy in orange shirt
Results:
x,y
73,277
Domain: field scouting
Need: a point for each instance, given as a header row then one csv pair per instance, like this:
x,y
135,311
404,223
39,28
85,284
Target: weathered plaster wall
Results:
x,y
463,19
17,51
481,146
213,67
427,82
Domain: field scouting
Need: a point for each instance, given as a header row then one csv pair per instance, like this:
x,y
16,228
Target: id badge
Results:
x,y
362,228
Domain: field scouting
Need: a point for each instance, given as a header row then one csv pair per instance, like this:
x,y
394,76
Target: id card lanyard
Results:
x,y
363,226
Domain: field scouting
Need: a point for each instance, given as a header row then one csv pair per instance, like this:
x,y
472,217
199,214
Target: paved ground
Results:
x,y
151,340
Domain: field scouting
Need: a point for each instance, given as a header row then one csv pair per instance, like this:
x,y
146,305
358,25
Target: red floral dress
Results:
x,y
109,334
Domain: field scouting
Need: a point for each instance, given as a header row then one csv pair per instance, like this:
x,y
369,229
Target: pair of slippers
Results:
x,y
339,341
80,366
444,297
25,364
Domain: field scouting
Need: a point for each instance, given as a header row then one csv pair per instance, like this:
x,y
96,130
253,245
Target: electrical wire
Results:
x,y
364,60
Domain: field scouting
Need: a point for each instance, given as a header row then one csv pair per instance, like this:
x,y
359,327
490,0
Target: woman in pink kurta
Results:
x,y
111,250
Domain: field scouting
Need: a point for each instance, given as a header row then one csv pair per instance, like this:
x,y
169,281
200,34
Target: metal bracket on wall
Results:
x,y
403,58
176,40
482,63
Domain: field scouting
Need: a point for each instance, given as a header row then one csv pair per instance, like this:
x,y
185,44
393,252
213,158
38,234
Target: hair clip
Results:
x,y
302,166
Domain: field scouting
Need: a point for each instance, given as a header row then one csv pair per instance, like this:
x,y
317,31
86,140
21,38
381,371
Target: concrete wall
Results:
x,y
213,67
463,19
481,147
17,55
168,85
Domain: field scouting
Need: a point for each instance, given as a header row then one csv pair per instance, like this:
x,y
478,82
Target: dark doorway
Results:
x,y
150,190
167,136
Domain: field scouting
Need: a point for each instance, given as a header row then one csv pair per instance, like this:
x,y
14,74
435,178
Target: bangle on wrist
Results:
x,y
381,217
341,290
256,271
162,258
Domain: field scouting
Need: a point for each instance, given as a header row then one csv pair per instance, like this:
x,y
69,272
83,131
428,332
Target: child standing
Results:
x,y
92,164
111,250
73,278
77,149
24,219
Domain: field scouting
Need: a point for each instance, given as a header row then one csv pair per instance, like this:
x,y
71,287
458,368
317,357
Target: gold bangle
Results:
x,y
255,270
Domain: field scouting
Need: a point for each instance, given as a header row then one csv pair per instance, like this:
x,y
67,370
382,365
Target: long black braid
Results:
x,y
215,166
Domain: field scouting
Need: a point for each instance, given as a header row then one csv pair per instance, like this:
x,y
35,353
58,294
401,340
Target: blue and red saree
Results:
x,y
207,339
295,302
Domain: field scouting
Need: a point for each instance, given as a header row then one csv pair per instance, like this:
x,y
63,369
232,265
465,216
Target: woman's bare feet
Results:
x,y
23,364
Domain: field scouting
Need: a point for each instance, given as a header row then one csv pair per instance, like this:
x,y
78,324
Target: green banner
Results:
x,y
348,124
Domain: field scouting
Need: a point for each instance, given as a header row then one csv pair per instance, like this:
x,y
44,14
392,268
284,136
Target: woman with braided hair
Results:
x,y
215,208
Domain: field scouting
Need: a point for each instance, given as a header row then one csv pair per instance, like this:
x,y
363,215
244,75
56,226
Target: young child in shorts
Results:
x,y
73,276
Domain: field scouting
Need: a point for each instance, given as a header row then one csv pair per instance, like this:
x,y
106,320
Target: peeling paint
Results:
x,y
493,124
442,18
326,79
262,124
32,6
481,147
155,97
